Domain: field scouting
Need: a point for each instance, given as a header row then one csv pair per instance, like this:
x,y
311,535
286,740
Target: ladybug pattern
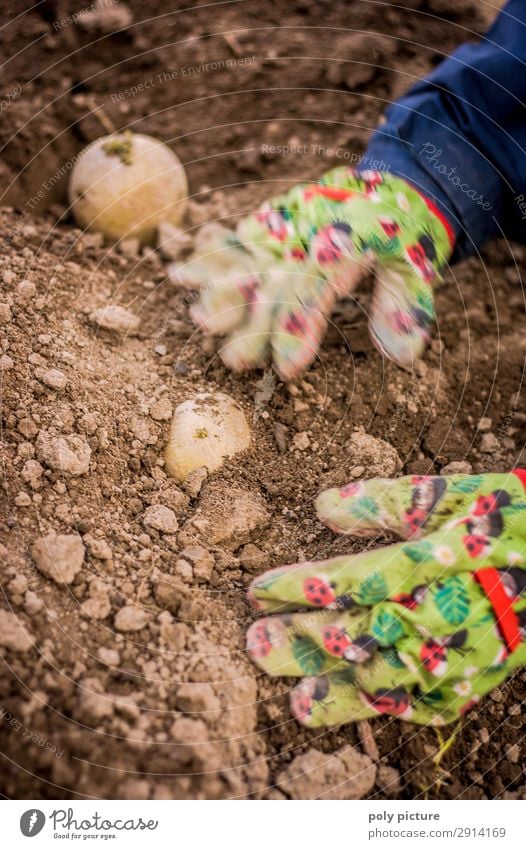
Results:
x,y
318,591
407,630
413,599
278,222
332,244
396,702
434,652
514,582
426,494
303,697
485,520
337,642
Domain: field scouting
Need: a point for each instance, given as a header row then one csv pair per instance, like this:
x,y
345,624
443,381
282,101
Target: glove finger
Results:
x,y
402,313
353,693
411,505
228,274
311,585
310,643
221,309
217,254
397,571
385,686
328,701
249,346
302,317
363,508
335,584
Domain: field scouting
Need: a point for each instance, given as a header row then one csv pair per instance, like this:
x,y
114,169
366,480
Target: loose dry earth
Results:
x,y
124,609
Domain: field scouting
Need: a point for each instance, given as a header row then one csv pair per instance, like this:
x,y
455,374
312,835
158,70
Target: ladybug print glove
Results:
x,y
270,286
421,629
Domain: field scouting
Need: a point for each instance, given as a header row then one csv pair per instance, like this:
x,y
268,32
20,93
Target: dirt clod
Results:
x,y
69,453
160,518
130,618
59,556
314,775
13,634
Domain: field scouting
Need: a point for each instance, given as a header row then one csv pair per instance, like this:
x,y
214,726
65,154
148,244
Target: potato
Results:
x,y
125,185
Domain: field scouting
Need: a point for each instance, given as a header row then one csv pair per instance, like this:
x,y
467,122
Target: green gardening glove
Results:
x,y
420,629
271,285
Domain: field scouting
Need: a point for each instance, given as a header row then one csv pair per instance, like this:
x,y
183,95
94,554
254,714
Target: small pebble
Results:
x,y
489,443
130,618
116,319
105,17
301,441
202,562
54,378
459,467
129,248
109,656
388,780
97,607
22,499
378,458
183,570
98,548
172,241
345,774
513,753
5,313
161,410
160,518
32,603
26,290
32,472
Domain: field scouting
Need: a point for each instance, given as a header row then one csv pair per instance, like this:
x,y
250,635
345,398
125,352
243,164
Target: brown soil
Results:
x,y
120,705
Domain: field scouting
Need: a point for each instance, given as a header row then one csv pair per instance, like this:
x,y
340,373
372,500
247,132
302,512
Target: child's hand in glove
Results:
x,y
270,286
420,629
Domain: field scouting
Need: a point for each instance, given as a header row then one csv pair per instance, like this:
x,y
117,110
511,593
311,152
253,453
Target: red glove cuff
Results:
x,y
502,604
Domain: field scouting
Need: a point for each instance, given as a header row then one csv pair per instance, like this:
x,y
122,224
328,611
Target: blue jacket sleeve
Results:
x,y
459,135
